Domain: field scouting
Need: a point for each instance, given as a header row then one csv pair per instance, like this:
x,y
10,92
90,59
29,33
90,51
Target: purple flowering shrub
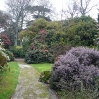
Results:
x,y
76,70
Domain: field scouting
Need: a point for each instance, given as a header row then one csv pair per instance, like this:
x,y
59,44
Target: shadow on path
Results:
x,y
28,85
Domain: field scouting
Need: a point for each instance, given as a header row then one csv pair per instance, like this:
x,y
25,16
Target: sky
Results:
x,y
59,5
2,5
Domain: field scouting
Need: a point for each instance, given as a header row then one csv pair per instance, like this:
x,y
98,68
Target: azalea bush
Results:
x,y
77,70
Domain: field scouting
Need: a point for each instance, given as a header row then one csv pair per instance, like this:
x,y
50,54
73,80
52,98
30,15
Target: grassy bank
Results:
x,y
8,81
42,67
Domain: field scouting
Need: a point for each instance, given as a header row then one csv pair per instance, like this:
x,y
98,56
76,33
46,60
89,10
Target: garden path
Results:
x,y
28,85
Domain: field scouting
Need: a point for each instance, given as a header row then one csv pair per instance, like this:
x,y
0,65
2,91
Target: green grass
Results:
x,y
8,81
42,67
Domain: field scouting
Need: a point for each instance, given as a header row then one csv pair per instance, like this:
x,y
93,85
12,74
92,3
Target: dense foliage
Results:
x,y
4,45
80,31
3,57
18,51
38,56
76,70
41,42
6,41
56,37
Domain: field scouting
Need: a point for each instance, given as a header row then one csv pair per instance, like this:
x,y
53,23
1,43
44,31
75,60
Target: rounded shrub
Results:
x,y
18,51
38,56
78,69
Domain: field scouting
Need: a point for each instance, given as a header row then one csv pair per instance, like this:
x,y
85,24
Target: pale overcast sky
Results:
x,y
59,4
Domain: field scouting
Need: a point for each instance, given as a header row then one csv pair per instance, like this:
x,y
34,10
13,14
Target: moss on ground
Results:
x,y
29,87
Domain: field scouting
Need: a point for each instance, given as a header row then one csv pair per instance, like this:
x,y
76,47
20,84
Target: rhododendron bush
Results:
x,y
38,51
76,70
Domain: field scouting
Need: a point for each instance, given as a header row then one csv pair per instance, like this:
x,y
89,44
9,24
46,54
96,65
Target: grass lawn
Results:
x,y
42,67
8,81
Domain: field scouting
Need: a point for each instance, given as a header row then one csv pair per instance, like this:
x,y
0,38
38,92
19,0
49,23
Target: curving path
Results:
x,y
29,87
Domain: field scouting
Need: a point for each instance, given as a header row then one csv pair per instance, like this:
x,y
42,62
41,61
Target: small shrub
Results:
x,y
38,56
18,51
44,77
11,56
76,70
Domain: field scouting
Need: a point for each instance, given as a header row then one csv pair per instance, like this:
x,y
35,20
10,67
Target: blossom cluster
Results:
x,y
43,32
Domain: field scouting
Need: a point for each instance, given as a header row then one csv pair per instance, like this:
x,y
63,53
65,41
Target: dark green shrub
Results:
x,y
44,77
18,51
38,56
76,70
59,49
80,31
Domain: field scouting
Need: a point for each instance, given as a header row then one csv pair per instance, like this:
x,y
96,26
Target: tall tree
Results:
x,y
17,9
48,7
72,10
98,18
39,12
42,9
4,17
84,6
78,8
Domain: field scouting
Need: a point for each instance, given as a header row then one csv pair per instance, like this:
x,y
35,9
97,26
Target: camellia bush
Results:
x,y
77,70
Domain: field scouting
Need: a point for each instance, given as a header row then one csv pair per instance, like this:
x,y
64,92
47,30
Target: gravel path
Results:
x,y
29,87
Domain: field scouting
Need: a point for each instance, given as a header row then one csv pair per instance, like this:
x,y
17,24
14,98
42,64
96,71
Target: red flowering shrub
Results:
x,y
6,41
